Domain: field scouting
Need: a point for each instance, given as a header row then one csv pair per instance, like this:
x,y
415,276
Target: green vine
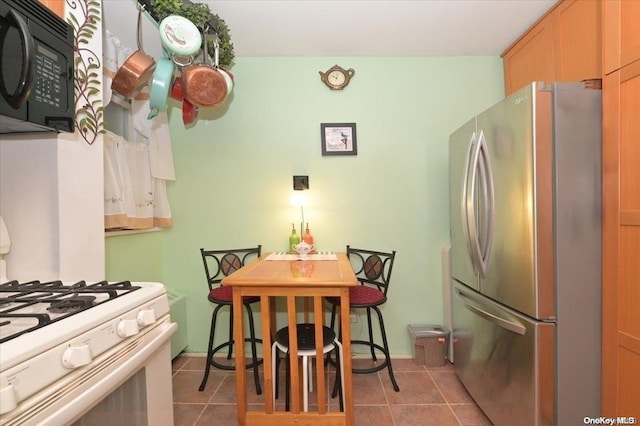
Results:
x,y
202,17
88,100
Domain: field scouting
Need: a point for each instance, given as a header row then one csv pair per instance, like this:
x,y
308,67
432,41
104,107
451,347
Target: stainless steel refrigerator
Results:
x,y
525,216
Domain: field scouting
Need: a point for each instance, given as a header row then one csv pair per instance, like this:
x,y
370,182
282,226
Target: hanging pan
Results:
x,y
228,77
160,86
136,71
189,112
202,84
181,38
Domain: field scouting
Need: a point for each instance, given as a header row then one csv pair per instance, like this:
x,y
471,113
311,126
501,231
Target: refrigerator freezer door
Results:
x,y
504,359
461,143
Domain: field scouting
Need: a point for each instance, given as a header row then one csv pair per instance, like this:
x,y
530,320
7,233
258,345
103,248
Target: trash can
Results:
x,y
429,344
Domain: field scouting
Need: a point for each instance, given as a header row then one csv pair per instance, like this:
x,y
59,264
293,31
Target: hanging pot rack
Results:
x,y
149,8
213,25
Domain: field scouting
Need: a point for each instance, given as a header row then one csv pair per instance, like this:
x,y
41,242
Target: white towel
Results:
x,y
140,110
160,150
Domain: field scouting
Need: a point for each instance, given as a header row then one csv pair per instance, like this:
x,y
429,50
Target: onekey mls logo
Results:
x,y
610,420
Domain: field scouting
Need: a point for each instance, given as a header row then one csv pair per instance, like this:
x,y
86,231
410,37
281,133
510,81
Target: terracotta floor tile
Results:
x,y
195,363
187,414
415,388
446,367
373,415
178,363
186,383
428,395
430,414
470,415
368,390
406,365
226,393
450,386
218,415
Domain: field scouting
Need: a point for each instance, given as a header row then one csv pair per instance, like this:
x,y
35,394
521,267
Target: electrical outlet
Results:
x,y
354,317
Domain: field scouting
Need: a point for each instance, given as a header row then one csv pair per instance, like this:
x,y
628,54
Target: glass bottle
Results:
x,y
308,238
294,239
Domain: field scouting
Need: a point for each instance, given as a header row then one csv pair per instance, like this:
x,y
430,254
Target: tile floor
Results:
x,y
428,396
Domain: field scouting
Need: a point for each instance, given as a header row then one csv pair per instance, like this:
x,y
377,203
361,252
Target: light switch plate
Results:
x,y
300,183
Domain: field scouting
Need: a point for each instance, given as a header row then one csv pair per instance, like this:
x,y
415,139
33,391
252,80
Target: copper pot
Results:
x,y
136,71
202,84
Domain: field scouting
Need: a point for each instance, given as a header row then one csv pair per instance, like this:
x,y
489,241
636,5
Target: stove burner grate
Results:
x,y
72,304
52,301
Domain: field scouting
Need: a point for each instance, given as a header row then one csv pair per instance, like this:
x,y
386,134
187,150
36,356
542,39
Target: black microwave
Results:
x,y
36,69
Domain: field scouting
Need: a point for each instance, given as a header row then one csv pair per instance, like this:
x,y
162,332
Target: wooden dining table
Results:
x,y
282,275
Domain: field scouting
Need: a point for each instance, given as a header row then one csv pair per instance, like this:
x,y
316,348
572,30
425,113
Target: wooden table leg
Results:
x,y
267,324
346,344
238,335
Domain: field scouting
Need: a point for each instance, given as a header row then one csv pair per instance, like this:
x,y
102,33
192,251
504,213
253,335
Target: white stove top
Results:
x,y
24,305
73,345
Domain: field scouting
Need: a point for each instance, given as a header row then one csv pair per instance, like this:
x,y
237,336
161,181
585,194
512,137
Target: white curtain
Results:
x,y
136,170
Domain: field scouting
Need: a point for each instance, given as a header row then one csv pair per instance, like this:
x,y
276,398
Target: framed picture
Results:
x,y
338,138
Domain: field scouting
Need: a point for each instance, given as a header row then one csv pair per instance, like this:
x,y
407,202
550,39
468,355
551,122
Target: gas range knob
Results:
x,y
8,400
146,317
128,328
76,356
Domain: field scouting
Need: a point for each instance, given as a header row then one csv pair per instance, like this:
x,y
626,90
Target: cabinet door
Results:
x,y
577,40
621,33
531,58
621,266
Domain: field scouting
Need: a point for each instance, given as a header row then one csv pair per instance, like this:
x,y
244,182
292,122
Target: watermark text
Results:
x,y
610,420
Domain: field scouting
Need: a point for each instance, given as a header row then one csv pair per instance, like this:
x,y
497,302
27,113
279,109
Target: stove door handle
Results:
x,y
76,356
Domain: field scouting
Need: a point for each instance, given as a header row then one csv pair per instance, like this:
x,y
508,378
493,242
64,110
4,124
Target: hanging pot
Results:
x,y
136,71
228,77
202,84
181,38
176,90
162,79
189,112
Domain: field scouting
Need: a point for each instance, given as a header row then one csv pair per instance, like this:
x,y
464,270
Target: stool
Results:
x,y
306,349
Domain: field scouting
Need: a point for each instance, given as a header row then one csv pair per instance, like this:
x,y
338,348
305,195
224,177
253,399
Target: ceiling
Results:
x,y
353,27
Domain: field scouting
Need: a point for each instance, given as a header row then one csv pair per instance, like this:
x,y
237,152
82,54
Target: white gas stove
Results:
x,y
68,348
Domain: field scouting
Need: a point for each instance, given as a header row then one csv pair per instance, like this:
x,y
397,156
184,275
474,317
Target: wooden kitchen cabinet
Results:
x,y
577,38
564,45
531,58
621,214
621,33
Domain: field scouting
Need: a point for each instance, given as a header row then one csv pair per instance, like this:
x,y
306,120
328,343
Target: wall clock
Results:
x,y
336,77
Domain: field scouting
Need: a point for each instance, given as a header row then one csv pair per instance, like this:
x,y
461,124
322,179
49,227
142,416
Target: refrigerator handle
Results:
x,y
470,208
510,325
488,204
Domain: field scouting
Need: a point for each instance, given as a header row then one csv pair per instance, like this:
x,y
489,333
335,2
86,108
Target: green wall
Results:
x,y
235,165
137,257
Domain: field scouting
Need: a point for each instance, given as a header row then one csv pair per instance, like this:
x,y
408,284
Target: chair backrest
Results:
x,y
220,263
372,267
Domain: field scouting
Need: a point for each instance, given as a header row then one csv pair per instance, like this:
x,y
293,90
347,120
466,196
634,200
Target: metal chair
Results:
x,y
217,265
306,349
373,270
